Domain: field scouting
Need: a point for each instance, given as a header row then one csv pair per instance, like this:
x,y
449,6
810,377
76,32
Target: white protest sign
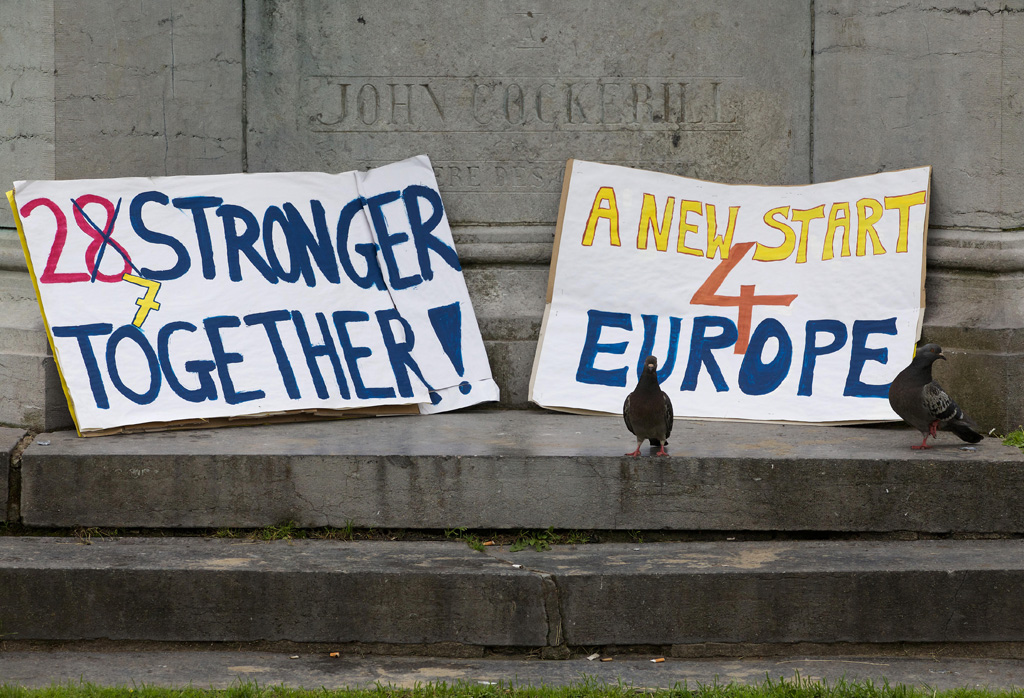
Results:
x,y
197,298
793,303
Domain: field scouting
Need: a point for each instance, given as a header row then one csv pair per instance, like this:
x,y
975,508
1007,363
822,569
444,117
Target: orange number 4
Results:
x,y
707,294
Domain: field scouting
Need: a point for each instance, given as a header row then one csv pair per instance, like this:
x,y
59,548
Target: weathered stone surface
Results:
x,y
927,668
909,85
210,590
26,95
921,591
30,389
819,669
977,319
9,439
525,469
501,95
148,89
508,299
143,89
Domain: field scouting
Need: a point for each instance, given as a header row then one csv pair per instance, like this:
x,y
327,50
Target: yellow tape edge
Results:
x,y
42,311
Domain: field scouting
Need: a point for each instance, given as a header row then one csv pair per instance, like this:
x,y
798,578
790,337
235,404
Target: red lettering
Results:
x,y
50,274
98,237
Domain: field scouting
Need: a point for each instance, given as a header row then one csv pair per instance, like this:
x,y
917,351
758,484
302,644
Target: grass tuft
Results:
x,y
1015,438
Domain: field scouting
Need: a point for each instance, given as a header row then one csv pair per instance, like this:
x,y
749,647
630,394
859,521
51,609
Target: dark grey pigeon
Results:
x,y
647,410
924,405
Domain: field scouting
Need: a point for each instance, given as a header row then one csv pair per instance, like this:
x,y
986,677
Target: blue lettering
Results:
x,y
421,231
650,332
275,215
184,262
701,347
400,353
860,354
757,377
812,351
368,250
388,241
223,359
586,372
269,321
198,205
243,243
314,351
82,333
353,354
134,334
302,244
207,389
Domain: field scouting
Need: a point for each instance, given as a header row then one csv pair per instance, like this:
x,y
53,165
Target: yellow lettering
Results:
x,y
649,219
764,253
717,243
835,221
604,207
147,302
903,204
804,217
686,208
866,226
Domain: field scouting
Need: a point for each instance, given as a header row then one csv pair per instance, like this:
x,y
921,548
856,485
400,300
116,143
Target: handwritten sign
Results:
x,y
197,298
761,303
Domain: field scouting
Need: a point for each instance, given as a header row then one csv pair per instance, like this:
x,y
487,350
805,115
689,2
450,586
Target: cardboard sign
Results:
x,y
187,299
761,303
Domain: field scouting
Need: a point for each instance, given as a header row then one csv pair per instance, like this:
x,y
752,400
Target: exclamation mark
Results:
x,y
447,322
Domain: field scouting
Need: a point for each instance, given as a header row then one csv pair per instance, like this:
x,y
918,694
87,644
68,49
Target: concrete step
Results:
x,y
683,597
314,669
523,469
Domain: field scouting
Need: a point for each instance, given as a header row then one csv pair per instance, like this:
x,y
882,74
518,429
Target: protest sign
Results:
x,y
793,303
184,300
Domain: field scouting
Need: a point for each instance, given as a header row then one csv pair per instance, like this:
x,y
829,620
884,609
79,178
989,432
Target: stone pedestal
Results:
x,y
500,94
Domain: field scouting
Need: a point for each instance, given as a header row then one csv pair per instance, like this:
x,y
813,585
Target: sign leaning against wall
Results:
x,y
188,300
792,303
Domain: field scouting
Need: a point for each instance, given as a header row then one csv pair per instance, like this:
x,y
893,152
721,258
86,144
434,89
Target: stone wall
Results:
x,y
499,94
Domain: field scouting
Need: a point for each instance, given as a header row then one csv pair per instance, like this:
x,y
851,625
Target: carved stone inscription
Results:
x,y
347,104
500,94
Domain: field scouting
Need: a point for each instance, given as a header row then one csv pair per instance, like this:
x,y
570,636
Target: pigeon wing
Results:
x,y
949,415
938,403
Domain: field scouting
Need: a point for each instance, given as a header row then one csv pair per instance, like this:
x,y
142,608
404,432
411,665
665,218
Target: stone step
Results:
x,y
444,595
524,469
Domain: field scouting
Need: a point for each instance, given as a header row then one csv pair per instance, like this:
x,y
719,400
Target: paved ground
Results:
x,y
219,669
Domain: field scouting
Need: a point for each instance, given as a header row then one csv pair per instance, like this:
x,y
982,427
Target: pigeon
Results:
x,y
924,405
647,410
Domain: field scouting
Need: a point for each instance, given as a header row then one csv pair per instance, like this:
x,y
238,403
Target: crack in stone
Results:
x,y
551,598
952,604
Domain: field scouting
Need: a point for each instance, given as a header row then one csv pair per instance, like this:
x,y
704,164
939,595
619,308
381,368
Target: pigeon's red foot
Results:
x,y
635,453
934,427
924,444
662,451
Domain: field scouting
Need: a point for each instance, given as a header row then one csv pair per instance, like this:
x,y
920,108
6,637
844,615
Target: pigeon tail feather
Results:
x,y
965,431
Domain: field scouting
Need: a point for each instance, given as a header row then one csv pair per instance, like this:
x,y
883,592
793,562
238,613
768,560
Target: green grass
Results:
x,y
1015,438
589,688
538,539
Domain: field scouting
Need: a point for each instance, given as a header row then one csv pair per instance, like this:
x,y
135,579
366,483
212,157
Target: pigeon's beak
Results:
x,y
941,356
